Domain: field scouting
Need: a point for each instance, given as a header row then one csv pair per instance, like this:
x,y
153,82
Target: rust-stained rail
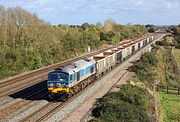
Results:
x,y
54,107
45,70
5,112
58,106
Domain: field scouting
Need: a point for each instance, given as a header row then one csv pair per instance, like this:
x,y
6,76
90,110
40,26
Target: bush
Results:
x,y
28,42
143,68
128,104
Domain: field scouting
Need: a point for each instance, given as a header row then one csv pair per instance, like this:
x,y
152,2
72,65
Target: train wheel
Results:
x,y
82,86
107,71
64,97
79,88
75,89
72,92
51,96
70,95
97,77
89,81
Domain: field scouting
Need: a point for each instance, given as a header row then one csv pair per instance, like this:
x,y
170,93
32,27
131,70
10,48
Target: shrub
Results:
x,y
143,68
128,104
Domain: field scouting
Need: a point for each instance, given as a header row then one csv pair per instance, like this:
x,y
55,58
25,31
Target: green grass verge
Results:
x,y
5,74
171,106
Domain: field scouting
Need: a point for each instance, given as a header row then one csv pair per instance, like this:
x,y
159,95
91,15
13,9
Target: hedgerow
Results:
x,y
129,104
145,66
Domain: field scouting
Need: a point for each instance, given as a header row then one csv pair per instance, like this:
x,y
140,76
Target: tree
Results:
x,y
28,42
85,25
99,26
108,25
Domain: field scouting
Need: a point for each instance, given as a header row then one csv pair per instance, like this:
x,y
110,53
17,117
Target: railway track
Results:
x,y
20,78
12,83
20,87
11,109
42,113
6,100
50,108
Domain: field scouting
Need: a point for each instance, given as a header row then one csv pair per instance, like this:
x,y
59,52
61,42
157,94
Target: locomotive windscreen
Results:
x,y
53,77
63,76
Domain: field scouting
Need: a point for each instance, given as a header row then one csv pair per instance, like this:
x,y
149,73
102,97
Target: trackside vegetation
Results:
x,y
28,42
163,71
145,67
172,39
134,102
176,53
157,66
130,103
167,70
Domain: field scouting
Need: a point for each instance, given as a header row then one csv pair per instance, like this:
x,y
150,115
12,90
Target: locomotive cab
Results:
x,y
58,82
67,80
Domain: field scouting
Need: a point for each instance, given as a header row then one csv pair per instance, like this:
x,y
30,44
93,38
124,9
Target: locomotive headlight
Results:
x,y
58,85
51,84
48,84
64,86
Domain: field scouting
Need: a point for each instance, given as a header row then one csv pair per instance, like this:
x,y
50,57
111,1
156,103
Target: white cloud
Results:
x,y
95,5
170,5
98,8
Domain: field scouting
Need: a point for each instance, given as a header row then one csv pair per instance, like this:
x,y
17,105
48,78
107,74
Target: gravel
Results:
x,y
7,102
21,83
27,110
59,115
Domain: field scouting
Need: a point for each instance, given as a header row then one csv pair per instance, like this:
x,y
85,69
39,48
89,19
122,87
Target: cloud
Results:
x,y
170,5
95,10
94,5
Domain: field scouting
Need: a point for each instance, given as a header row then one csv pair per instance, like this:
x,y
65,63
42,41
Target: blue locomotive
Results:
x,y
65,81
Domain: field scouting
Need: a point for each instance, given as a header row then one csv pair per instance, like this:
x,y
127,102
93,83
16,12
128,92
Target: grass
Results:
x,y
176,53
5,74
171,106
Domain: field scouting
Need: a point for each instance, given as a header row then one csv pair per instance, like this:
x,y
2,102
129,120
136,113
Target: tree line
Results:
x,y
28,42
172,39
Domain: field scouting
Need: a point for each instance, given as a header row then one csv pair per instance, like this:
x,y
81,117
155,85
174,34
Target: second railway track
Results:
x,y
33,74
44,111
16,106
20,87
48,109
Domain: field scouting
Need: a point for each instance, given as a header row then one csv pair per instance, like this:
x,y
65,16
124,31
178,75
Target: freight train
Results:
x,y
65,81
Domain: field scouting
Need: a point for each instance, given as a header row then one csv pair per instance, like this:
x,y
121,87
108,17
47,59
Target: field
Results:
x,y
176,53
171,106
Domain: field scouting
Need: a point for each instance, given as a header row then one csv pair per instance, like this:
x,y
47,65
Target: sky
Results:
x,y
158,12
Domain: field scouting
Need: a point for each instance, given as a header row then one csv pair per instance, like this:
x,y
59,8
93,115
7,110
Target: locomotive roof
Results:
x,y
76,66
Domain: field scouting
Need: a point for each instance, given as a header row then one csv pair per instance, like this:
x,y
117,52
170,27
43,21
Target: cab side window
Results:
x,y
92,69
71,77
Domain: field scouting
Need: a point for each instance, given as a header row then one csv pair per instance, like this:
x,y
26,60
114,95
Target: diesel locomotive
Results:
x,y
67,80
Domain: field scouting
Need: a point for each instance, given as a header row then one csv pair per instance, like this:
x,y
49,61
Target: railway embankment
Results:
x,y
155,68
133,101
87,106
28,102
